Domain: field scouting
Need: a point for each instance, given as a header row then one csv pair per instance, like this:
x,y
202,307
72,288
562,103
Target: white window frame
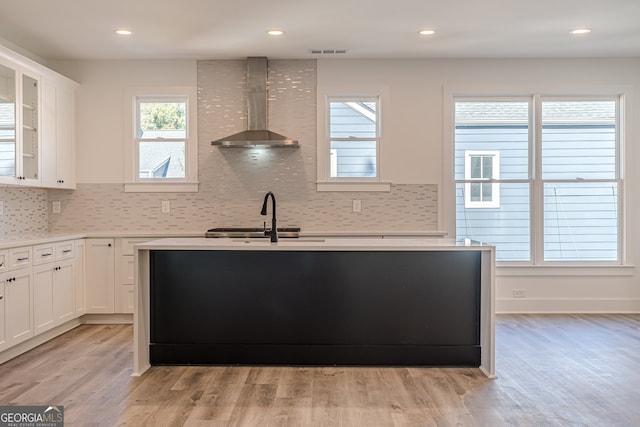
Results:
x,y
495,187
537,266
325,182
132,180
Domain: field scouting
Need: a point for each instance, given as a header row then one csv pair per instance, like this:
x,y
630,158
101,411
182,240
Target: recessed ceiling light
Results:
x,y
275,32
426,32
123,32
581,31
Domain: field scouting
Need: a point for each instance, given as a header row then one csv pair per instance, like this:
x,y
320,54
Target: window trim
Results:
x,y
132,181
446,194
323,155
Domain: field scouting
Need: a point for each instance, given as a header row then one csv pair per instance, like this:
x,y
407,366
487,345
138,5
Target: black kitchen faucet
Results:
x,y
274,230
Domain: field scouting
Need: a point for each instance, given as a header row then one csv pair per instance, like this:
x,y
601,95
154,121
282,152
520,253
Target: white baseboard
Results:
x,y
39,339
107,319
567,305
87,319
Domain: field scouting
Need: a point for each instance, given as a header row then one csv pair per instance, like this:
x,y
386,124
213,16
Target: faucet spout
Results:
x,y
273,233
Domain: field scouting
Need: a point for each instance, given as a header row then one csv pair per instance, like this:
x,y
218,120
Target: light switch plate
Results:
x,y
55,206
356,205
166,206
1,207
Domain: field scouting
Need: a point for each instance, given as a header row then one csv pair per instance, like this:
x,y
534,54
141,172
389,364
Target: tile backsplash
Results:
x,y
234,181
105,207
24,211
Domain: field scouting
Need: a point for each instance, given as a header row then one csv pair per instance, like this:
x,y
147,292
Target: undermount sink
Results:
x,y
266,242
301,241
251,232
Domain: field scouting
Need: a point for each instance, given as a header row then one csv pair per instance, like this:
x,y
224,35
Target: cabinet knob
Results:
x,y
1,297
109,245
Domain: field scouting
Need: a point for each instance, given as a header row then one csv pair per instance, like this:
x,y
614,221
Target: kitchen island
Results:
x,y
418,302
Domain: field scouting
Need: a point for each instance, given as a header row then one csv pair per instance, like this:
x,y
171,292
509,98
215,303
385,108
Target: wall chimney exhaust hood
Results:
x,y
257,134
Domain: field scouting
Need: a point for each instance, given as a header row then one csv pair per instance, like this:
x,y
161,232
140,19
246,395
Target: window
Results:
x,y
549,177
353,137
161,137
483,167
349,140
163,154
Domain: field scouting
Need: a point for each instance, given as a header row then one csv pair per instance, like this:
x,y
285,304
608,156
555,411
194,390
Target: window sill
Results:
x,y
161,187
378,186
566,270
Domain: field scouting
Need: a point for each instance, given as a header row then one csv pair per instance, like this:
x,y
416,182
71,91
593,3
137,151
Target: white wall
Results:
x,y
418,141
231,182
413,151
100,108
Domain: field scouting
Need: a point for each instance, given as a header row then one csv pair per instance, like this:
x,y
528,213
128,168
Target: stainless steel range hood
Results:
x,y
257,133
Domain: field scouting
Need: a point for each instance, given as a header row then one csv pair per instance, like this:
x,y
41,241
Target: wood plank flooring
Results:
x,y
553,370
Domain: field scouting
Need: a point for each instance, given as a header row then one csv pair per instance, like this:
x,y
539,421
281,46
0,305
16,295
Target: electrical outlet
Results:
x,y
519,293
55,206
356,205
166,206
1,208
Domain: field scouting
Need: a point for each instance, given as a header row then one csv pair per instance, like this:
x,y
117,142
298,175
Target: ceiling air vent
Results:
x,y
328,51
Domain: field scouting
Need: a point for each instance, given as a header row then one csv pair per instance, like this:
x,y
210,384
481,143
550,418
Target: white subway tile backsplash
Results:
x,y
234,181
25,211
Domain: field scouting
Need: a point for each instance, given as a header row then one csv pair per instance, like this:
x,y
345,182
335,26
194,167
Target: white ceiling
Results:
x,y
220,29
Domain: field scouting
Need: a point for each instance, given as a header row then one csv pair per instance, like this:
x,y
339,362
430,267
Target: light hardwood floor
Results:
x,y
554,370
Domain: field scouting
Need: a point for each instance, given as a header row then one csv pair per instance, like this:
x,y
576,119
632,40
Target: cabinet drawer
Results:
x,y
64,250
4,261
20,257
43,253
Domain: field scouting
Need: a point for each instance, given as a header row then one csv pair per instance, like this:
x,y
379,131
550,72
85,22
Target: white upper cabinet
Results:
x,y
37,127
58,130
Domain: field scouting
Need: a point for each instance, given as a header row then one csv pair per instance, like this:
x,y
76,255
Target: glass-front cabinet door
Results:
x,y
8,121
30,126
19,125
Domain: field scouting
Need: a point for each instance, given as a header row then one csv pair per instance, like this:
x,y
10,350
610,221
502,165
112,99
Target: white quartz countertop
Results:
x,y
19,240
314,244
36,239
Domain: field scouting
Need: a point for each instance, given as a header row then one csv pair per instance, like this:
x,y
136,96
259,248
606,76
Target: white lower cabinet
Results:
x,y
99,275
43,277
125,272
40,289
18,305
54,289
109,274
64,292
